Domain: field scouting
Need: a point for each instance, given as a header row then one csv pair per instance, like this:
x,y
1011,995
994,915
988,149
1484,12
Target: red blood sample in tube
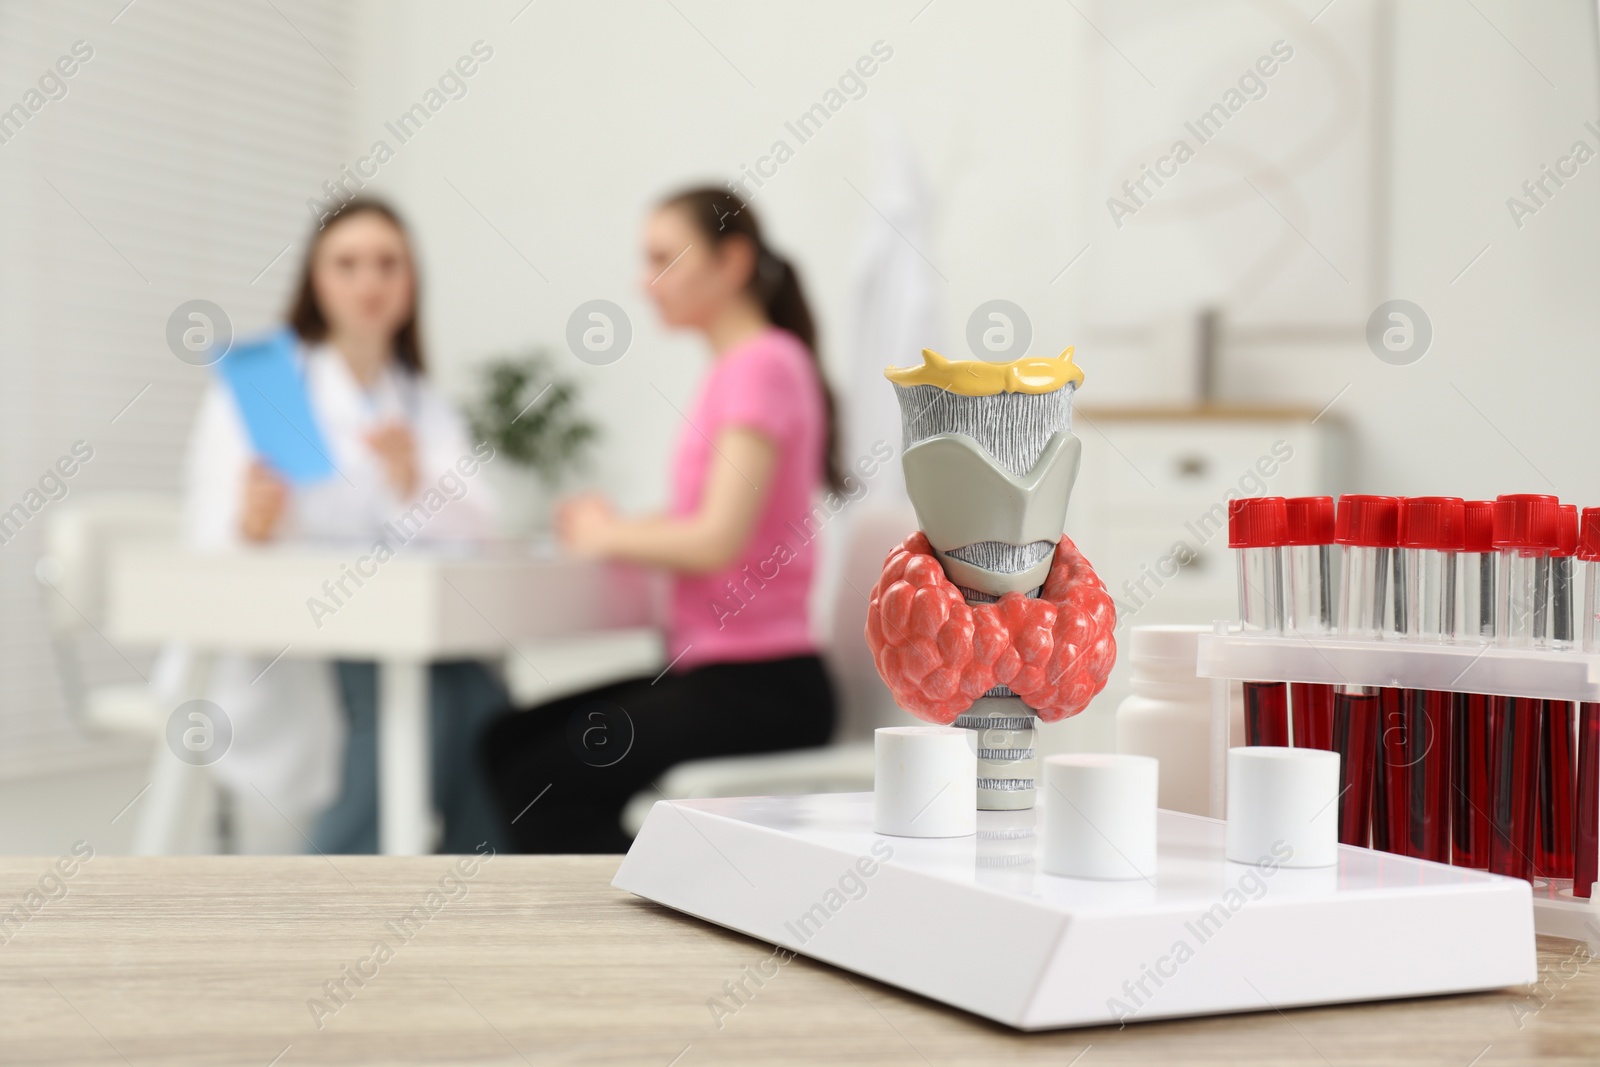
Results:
x,y
1525,530
1552,836
1266,713
1469,776
1311,610
1586,824
1390,774
1515,726
1366,528
1428,737
1355,738
1470,748
1311,705
1257,529
1586,816
1431,538
1552,830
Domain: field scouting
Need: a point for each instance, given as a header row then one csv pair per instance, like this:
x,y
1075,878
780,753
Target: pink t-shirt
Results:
x,y
757,607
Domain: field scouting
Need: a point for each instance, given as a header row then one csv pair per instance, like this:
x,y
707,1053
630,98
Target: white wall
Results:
x,y
588,113
1026,119
1514,335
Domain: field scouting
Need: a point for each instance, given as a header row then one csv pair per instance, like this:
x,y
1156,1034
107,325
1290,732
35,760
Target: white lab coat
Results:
x,y
288,727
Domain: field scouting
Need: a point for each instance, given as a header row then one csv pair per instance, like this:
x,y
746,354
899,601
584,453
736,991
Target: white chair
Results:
x,y
83,534
865,703
80,537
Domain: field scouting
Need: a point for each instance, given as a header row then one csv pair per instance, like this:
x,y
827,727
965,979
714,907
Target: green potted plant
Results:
x,y
532,418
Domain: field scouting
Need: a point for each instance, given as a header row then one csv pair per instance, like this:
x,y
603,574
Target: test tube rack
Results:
x,y
1542,674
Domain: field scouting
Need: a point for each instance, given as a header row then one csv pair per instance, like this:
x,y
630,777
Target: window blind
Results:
x,y
172,164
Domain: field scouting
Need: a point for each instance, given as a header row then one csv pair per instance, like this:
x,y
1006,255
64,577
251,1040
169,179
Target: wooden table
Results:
x,y
213,960
421,605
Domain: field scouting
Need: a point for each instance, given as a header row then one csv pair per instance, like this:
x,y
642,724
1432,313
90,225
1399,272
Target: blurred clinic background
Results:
x,y
1007,179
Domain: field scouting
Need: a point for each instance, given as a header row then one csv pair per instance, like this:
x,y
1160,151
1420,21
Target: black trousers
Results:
x,y
562,772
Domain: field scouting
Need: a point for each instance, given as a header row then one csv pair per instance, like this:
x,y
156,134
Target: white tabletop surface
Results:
x,y
421,604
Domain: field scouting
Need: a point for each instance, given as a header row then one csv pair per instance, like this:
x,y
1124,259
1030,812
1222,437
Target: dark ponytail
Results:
x,y
720,214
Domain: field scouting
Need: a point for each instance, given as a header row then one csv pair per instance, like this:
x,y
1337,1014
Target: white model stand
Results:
x,y
1539,674
974,923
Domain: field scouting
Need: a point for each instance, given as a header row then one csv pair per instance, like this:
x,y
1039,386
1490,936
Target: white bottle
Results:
x,y
1169,714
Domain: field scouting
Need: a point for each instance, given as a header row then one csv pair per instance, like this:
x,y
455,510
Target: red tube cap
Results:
x,y
1589,535
1310,520
1526,520
1479,526
1566,531
1436,522
1257,522
1371,521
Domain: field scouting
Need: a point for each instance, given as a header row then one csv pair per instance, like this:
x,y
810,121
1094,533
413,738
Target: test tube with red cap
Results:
x,y
1312,610
1431,537
1586,821
1390,771
1470,759
1257,529
1525,528
1390,779
1552,827
1365,528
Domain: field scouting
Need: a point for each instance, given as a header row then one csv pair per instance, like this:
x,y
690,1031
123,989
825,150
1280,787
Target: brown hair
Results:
x,y
305,316
720,214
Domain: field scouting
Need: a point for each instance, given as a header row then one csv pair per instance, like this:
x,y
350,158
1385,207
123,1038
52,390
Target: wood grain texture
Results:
x,y
536,960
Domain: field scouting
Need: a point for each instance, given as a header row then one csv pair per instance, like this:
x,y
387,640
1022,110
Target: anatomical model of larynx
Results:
x,y
989,616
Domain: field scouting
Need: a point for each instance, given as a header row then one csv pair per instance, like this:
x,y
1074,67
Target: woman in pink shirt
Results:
x,y
756,449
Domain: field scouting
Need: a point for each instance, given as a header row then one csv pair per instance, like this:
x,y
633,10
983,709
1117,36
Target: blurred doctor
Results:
x,y
304,731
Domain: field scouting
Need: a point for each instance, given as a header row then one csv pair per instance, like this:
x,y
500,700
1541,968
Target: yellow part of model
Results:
x,y
976,377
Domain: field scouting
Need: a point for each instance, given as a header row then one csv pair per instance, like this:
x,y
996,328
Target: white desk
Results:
x,y
419,607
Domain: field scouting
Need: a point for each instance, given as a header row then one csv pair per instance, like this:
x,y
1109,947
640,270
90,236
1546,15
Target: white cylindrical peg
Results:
x,y
1099,816
925,782
1283,806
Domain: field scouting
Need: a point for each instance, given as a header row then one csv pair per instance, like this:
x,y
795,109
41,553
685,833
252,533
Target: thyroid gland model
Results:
x,y
989,616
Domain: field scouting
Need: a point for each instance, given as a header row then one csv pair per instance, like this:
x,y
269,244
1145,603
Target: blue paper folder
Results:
x,y
269,388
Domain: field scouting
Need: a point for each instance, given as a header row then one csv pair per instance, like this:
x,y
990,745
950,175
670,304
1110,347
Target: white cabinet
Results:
x,y
1149,510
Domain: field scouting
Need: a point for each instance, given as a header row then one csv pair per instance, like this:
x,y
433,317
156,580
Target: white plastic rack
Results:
x,y
1541,674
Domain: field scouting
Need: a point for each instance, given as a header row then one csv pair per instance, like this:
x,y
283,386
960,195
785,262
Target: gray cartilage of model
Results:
x,y
990,477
